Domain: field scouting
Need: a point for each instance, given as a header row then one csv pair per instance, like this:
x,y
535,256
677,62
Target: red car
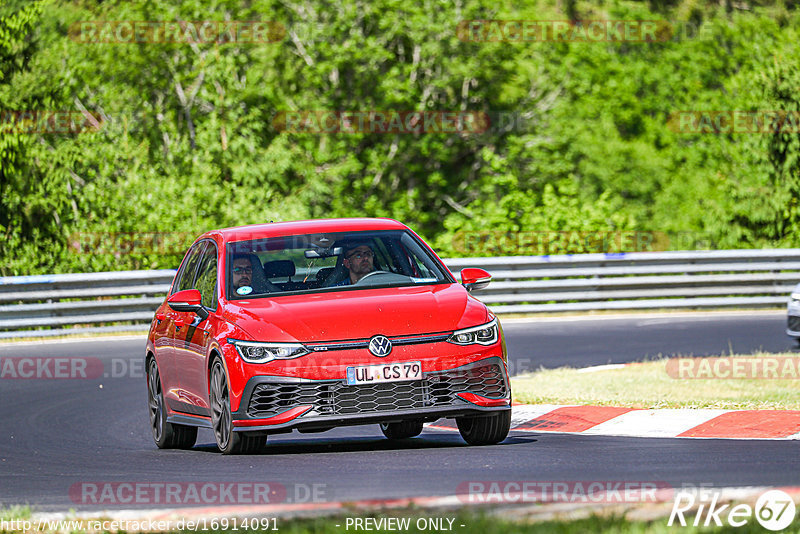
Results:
x,y
311,325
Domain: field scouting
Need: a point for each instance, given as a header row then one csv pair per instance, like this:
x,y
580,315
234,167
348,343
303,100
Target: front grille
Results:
x,y
387,397
794,323
337,398
270,399
486,380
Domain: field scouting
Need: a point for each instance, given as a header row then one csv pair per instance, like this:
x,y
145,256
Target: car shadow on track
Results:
x,y
362,444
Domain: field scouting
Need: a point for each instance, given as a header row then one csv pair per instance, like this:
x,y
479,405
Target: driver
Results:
x,y
242,271
358,260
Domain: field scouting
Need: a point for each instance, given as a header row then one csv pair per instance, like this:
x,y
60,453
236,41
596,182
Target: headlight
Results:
x,y
485,334
256,352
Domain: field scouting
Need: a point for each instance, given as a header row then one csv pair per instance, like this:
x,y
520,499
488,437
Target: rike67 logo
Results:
x,y
774,510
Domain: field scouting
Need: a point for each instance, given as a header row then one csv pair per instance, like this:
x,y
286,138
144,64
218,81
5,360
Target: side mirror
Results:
x,y
473,278
188,300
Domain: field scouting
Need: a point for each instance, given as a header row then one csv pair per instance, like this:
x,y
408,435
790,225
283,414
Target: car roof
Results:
x,y
277,229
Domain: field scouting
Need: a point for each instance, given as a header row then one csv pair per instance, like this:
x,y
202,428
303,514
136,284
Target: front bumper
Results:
x,y
793,319
278,404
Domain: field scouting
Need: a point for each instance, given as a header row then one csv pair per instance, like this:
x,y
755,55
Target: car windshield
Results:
x,y
320,262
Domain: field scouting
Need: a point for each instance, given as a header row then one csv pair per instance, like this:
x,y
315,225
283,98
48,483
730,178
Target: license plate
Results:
x,y
386,372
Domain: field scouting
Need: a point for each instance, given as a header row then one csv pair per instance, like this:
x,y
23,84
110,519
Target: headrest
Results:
x,y
279,269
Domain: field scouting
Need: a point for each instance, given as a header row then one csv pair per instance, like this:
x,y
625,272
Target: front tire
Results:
x,y
228,441
166,435
485,429
401,430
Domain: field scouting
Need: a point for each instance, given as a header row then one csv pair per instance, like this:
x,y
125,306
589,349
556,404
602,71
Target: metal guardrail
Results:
x,y
521,284
638,280
62,300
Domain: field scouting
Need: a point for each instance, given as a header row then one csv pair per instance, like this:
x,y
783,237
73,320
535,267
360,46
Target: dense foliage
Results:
x,y
186,136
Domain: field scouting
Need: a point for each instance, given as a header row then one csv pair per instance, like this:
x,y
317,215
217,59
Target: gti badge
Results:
x,y
380,346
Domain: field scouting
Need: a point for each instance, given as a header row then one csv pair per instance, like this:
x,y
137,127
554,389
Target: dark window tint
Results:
x,y
326,262
187,274
207,277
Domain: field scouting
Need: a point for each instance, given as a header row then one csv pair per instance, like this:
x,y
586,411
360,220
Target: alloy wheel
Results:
x,y
220,405
154,401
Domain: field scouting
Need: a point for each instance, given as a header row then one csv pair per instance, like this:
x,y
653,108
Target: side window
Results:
x,y
186,276
421,263
422,270
207,277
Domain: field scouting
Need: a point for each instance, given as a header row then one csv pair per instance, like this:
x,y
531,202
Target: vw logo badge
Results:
x,y
380,346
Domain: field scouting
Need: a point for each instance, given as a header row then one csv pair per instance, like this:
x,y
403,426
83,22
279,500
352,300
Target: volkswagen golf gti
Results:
x,y
312,325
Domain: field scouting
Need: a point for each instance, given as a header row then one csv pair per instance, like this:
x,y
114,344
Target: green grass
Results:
x,y
15,512
647,385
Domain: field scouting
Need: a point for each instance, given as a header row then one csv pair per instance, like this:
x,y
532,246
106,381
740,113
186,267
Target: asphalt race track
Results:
x,y
583,342
57,434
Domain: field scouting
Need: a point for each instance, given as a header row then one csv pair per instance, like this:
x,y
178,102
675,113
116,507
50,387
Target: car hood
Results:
x,y
357,314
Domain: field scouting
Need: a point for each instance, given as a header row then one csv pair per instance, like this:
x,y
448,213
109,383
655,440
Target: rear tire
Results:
x,y
485,429
401,430
166,435
228,441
